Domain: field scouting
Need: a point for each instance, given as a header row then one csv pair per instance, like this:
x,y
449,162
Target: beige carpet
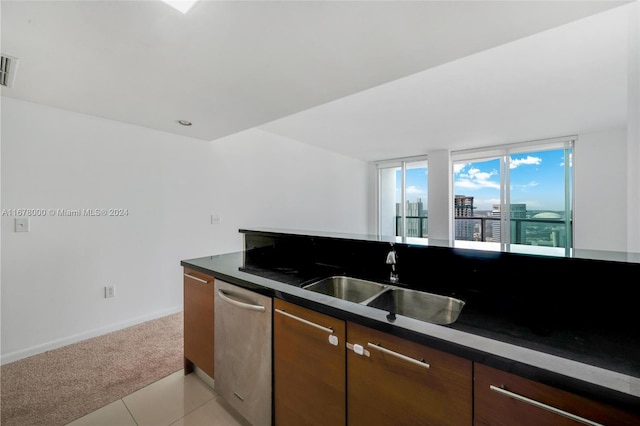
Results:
x,y
59,386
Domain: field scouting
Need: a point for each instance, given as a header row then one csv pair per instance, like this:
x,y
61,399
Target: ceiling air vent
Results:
x,y
8,65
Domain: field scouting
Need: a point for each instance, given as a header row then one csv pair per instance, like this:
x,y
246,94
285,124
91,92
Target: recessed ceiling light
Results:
x,y
181,5
185,122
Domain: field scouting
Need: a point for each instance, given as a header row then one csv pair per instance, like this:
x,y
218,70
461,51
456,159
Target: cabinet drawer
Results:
x,y
502,398
198,321
400,382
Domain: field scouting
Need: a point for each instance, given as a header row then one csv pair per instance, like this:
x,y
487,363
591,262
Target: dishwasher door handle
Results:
x,y
239,304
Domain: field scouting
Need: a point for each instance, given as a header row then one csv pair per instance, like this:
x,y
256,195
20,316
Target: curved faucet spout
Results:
x,y
391,258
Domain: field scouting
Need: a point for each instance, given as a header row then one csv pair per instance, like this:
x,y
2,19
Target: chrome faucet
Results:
x,y
392,260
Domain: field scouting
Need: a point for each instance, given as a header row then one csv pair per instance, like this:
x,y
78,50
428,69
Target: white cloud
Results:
x,y
481,176
467,184
477,179
413,190
529,160
459,167
525,187
562,163
476,184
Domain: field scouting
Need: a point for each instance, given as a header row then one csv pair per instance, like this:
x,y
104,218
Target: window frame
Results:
x,y
402,164
503,153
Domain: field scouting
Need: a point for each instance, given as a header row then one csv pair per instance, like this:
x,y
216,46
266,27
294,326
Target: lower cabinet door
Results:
x,y
392,381
502,398
198,321
309,367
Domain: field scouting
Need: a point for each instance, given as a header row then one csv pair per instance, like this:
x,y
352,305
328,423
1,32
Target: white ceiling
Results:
x,y
372,80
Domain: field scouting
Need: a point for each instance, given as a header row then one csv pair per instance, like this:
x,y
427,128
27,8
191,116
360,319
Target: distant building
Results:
x,y
517,211
463,208
412,209
547,215
414,212
549,234
495,224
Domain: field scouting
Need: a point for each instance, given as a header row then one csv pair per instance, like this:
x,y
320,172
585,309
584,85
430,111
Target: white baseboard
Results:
x,y
58,343
204,377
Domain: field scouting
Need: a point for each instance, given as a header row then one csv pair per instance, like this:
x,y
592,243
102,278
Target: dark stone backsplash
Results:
x,y
530,300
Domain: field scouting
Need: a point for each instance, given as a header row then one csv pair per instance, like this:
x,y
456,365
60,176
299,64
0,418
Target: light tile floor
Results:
x,y
176,400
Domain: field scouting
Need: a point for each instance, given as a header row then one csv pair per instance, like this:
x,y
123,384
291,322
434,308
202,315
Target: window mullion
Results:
x,y
568,205
403,199
505,198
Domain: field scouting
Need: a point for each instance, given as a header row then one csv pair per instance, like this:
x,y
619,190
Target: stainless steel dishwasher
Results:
x,y
242,351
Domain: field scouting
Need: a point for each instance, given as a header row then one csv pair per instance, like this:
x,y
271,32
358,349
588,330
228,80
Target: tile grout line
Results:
x,y
129,411
194,409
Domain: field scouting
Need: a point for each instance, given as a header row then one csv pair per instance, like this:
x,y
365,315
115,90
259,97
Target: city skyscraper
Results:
x,y
414,212
463,208
517,211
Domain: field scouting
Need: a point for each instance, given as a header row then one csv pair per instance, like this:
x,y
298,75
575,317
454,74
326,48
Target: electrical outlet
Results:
x,y
215,219
109,291
22,224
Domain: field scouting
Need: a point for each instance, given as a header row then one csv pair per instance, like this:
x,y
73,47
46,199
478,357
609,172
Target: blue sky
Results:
x,y
537,180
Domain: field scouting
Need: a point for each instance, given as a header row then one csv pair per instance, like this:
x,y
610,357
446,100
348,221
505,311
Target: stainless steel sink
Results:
x,y
414,304
347,288
419,305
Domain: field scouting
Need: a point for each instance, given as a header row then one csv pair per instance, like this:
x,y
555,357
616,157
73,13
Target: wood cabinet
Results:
x,y
501,398
309,367
331,372
198,321
393,381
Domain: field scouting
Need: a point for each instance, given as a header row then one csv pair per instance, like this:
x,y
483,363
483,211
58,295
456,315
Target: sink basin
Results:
x,y
414,304
347,288
419,305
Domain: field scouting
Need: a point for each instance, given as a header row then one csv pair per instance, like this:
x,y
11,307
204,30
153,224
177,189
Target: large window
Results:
x,y
514,198
402,203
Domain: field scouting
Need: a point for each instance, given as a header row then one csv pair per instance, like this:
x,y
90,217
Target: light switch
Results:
x,y
22,224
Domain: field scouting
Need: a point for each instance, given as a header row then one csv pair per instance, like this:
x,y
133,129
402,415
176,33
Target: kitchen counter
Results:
x,y
596,362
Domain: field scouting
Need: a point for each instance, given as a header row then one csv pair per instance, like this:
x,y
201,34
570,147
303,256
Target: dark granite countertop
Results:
x,y
582,359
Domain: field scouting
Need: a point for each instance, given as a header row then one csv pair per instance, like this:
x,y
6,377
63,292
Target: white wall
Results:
x,y
53,276
441,223
600,216
633,129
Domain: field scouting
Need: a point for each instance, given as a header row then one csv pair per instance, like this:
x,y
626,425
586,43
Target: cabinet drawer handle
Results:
x,y
418,362
196,278
358,349
539,404
302,320
239,304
